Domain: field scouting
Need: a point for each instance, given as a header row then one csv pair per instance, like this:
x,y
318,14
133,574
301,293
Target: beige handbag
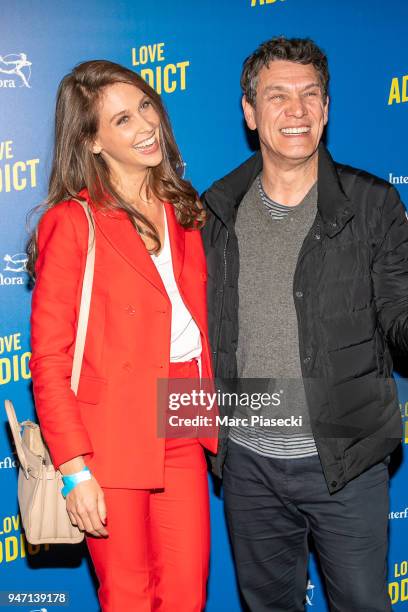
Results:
x,y
43,509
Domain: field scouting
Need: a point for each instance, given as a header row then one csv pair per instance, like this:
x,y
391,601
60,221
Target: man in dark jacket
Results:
x,y
307,286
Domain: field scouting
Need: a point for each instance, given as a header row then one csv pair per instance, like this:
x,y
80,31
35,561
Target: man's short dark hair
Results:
x,y
299,50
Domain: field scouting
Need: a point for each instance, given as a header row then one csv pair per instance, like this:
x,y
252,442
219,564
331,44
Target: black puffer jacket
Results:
x,y
351,295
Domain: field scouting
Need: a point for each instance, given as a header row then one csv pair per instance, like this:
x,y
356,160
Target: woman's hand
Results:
x,y
85,502
86,507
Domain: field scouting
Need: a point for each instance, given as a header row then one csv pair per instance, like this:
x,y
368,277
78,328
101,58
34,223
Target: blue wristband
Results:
x,y
72,480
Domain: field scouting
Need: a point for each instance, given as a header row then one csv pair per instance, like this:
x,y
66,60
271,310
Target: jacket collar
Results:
x,y
333,204
118,230
226,194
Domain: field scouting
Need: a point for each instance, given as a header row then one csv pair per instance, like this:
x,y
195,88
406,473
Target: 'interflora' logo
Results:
x,y
401,514
16,68
14,264
7,463
394,179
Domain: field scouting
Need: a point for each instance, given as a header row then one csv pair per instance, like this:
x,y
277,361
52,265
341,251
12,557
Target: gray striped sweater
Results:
x,y
269,239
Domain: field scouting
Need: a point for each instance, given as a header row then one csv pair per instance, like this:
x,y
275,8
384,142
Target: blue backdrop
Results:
x,y
192,52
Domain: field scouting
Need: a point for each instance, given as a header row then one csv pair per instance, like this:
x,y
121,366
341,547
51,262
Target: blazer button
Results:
x,y
334,483
127,366
130,309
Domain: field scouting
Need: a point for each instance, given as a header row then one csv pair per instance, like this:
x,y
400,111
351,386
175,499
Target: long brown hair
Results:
x,y
75,166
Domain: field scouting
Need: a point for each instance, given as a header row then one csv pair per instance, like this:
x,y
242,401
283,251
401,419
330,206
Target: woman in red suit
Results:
x,y
144,507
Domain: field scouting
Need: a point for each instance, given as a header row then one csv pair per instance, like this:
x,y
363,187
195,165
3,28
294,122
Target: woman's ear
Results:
x,y
96,148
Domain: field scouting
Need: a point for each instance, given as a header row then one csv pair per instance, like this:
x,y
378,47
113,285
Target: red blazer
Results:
x,y
113,418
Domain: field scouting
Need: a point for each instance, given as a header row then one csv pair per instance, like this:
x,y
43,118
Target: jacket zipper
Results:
x,y
317,236
222,302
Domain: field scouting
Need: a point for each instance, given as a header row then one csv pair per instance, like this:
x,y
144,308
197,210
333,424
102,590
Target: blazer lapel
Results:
x,y
177,240
123,237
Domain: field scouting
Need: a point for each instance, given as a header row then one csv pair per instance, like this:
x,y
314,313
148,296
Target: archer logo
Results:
x,y
15,263
309,593
17,68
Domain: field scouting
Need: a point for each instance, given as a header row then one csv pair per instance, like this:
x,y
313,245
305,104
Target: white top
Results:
x,y
185,335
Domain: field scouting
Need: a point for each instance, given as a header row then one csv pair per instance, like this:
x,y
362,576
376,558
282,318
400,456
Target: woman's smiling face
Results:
x,y
128,136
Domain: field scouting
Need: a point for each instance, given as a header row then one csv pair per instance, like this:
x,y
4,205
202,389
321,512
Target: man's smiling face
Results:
x,y
290,111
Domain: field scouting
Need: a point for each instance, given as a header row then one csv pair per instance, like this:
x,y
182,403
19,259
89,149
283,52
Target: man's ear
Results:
x,y
326,110
249,113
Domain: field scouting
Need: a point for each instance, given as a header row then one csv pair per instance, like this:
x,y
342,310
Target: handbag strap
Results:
x,y
85,301
16,432
79,341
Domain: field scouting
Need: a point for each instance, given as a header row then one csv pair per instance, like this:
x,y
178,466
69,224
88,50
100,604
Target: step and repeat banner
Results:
x,y
192,53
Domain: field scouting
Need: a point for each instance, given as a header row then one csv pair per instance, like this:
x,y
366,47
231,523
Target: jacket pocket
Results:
x,y
90,389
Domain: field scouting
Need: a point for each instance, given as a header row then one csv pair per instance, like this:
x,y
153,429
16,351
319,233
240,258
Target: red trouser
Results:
x,y
157,552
